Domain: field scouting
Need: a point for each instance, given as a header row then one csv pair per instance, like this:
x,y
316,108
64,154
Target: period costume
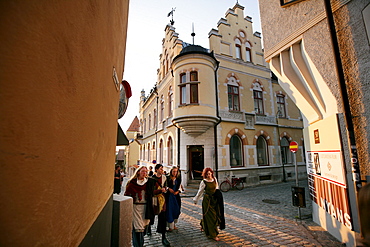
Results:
x,y
137,189
211,207
173,201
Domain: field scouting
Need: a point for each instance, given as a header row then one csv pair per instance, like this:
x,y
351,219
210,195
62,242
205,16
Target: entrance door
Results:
x,y
196,161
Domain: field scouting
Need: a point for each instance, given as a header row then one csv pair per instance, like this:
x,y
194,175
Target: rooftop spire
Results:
x,y
193,34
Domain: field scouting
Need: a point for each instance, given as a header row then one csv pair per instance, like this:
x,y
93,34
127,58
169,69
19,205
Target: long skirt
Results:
x,y
172,208
211,214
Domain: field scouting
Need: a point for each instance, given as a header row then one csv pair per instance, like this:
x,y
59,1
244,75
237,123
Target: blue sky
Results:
x,y
147,21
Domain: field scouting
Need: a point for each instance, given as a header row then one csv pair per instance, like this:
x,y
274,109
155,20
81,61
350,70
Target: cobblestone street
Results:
x,y
255,216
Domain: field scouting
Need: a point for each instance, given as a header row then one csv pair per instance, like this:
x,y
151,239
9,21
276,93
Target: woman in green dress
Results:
x,y
210,206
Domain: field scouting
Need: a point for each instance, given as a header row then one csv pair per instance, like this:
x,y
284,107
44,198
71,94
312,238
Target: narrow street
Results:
x,y
255,216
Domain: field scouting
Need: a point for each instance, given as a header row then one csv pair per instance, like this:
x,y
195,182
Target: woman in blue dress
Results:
x,y
173,199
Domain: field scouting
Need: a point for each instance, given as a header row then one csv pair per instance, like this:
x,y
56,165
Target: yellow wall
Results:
x,y
59,116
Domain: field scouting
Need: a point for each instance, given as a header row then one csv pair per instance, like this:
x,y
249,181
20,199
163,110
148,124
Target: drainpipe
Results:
x,y
352,189
219,121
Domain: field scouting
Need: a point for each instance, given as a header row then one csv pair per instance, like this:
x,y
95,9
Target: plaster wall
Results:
x,y
59,134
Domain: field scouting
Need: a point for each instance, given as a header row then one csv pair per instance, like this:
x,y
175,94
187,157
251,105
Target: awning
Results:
x,y
121,137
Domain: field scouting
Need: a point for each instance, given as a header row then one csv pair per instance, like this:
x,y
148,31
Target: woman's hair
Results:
x,y
136,174
173,168
205,170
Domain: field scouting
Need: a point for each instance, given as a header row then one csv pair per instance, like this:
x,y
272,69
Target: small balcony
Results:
x,y
195,125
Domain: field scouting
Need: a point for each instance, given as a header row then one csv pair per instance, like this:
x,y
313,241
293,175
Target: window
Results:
x,y
286,155
238,49
143,152
170,151
258,102
233,97
183,78
281,105
144,126
170,101
155,118
160,151
193,93
262,155
248,50
149,122
148,151
193,76
162,108
183,89
154,155
189,89
236,151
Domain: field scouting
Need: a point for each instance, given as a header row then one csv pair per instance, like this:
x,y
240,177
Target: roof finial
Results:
x,y
193,34
171,13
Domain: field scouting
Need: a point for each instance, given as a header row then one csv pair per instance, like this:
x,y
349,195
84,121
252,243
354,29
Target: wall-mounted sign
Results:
x,y
286,3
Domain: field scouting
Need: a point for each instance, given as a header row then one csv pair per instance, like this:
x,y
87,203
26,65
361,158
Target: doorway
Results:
x,y
196,161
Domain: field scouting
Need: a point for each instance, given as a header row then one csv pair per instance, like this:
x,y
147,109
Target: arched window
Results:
x,y
154,155
144,152
262,151
286,155
162,108
160,151
170,152
238,49
154,118
236,151
149,151
144,126
233,94
248,52
170,101
149,122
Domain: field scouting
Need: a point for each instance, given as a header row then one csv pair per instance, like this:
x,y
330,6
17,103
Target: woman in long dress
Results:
x,y
210,207
173,199
137,189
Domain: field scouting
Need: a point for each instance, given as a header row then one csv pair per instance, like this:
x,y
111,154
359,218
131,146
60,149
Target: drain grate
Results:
x,y
270,201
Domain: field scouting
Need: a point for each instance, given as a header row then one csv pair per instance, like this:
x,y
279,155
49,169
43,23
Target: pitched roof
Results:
x,y
135,125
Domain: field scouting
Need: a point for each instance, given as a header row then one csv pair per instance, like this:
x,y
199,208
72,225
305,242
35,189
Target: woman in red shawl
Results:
x,y
137,189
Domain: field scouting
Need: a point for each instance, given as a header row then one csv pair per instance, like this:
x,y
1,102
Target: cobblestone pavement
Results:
x,y
255,216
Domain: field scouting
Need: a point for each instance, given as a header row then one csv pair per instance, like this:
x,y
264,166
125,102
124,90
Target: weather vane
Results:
x,y
171,13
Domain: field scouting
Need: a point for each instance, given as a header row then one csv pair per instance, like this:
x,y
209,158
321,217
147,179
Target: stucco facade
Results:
x,y
218,108
320,52
59,108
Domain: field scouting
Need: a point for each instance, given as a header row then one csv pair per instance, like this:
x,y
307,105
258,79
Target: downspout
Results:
x,y
218,122
356,175
156,125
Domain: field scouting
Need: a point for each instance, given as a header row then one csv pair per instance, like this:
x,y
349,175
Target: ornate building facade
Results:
x,y
220,108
